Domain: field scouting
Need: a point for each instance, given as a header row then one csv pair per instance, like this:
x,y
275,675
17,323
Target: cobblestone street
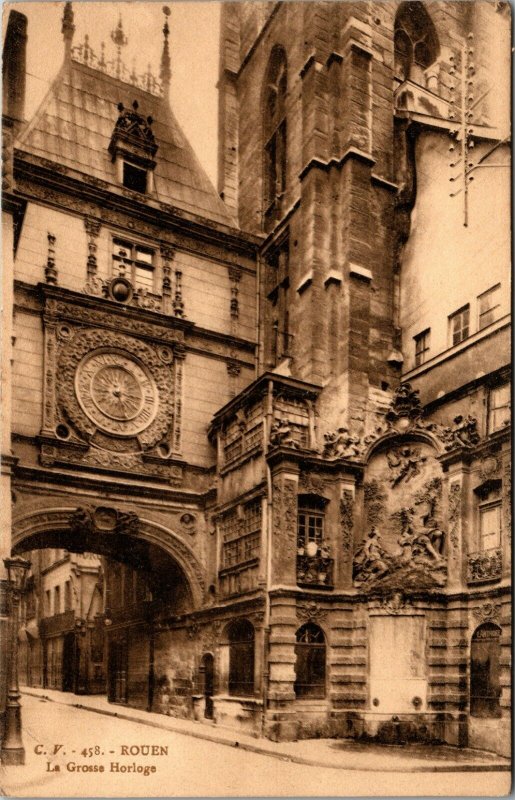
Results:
x,y
76,753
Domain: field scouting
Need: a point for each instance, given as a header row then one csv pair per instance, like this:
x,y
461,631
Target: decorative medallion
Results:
x,y
487,611
116,392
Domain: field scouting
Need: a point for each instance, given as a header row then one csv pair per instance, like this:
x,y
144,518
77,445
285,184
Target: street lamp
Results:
x,y
13,751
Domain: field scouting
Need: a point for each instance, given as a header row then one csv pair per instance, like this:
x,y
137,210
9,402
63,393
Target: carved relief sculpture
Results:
x,y
281,434
404,463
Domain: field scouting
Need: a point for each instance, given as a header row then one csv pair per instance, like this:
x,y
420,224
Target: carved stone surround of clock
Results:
x,y
112,392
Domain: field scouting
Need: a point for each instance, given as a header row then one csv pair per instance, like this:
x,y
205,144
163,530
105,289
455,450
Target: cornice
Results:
x,y
90,194
39,479
31,299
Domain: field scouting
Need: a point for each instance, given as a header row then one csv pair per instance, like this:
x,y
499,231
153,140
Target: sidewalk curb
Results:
x,y
264,751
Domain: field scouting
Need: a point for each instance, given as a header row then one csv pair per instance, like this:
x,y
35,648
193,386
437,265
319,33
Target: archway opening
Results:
x,y
95,607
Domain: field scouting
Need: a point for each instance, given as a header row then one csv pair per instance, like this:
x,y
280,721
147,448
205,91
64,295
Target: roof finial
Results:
x,y
120,40
67,29
166,68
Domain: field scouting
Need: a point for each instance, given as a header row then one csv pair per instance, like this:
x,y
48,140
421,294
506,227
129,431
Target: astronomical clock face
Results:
x,y
116,392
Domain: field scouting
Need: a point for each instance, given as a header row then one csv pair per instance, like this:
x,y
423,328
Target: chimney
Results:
x,y
14,67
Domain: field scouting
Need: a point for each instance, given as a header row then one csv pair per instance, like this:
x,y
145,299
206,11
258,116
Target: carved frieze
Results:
x,y
454,516
340,444
484,566
507,500
285,510
487,611
395,603
405,547
310,611
311,484
347,518
103,519
282,434
113,321
404,416
404,463
375,500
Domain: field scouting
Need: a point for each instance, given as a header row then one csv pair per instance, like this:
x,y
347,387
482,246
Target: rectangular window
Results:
x,y
490,527
488,306
459,325
134,262
310,527
67,596
57,600
422,347
48,603
241,536
499,408
134,178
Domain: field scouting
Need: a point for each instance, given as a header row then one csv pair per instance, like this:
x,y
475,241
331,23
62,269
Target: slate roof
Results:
x,y
74,124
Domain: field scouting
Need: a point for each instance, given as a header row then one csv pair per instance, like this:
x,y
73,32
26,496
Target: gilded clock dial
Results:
x,y
116,392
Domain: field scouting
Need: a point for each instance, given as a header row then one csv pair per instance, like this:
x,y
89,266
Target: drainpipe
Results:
x,y
266,631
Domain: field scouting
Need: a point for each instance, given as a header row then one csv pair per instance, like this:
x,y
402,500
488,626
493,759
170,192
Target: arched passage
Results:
x,y
140,543
145,577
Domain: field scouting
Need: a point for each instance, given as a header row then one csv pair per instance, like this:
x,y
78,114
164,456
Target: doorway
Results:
x,y
117,671
208,666
69,662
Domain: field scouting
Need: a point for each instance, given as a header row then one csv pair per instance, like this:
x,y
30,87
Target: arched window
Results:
x,y
241,658
274,113
415,41
310,662
485,689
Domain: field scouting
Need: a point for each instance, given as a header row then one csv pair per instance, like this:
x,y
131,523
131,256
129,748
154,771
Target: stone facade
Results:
x,y
295,431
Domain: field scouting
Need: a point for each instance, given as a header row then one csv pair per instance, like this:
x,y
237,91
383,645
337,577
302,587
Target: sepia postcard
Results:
x,y
256,433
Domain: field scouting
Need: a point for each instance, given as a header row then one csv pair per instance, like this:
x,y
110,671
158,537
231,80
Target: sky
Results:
x,y
194,46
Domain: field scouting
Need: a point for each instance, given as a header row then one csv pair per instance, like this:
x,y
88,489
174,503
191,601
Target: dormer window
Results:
x,y
134,178
133,148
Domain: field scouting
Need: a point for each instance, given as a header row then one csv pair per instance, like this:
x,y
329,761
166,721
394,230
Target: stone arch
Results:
x,y
415,39
50,524
394,437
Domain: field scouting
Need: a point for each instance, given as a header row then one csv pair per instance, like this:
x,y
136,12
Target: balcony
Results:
x,y
315,570
59,623
484,566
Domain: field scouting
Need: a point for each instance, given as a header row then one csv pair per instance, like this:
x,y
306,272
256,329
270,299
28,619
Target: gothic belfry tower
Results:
x,y
350,134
